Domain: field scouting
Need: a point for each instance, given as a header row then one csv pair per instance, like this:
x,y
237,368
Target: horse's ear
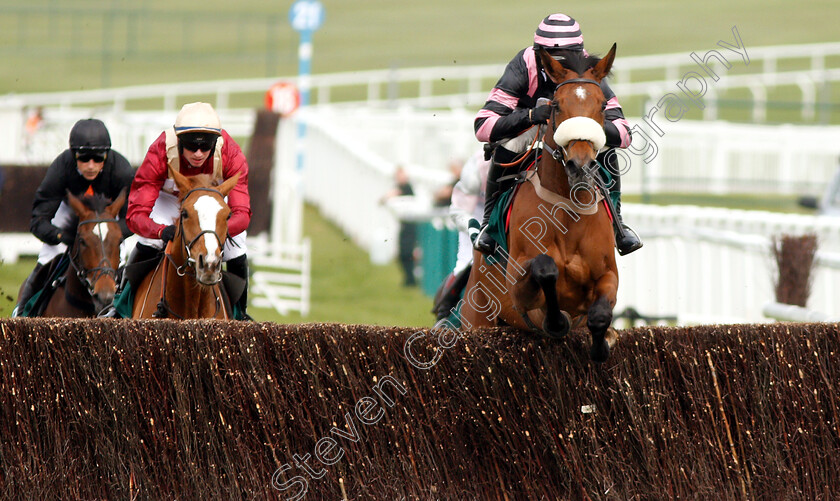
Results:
x,y
77,205
229,184
181,180
602,69
117,204
555,71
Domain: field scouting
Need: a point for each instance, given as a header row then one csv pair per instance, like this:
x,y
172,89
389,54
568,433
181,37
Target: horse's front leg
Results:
x,y
599,318
541,275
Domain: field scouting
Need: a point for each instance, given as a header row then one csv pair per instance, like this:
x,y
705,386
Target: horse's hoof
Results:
x,y
600,351
611,337
560,330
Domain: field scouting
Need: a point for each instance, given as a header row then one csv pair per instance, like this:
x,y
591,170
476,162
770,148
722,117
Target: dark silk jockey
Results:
x,y
513,108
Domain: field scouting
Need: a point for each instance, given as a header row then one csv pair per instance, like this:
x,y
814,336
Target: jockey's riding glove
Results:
x,y
540,114
168,233
67,238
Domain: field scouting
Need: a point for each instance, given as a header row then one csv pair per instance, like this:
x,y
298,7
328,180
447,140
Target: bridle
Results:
x,y
163,308
190,262
103,268
560,154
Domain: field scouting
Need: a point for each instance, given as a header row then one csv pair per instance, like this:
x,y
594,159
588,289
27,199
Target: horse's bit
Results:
x,y
104,268
560,153
190,262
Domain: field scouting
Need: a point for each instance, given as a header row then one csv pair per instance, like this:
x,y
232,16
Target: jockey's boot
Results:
x,y
239,267
28,290
626,240
483,242
450,293
140,254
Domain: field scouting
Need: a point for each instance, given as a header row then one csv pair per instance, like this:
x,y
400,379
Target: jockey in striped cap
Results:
x,y
559,31
512,109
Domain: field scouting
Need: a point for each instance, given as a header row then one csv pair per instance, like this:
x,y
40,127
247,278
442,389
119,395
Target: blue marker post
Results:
x,y
306,16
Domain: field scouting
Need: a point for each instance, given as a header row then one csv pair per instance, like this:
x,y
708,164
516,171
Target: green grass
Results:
x,y
773,203
346,287
49,45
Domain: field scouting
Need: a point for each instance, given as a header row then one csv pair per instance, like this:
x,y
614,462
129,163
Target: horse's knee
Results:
x,y
599,317
544,271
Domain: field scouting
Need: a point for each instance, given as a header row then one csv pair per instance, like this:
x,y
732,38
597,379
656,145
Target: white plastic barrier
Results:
x,y
715,266
723,157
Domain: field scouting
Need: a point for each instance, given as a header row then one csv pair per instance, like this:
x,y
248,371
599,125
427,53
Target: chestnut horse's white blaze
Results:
x,y
580,92
208,209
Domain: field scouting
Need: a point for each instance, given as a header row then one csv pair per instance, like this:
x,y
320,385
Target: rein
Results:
x,y
190,262
103,268
163,308
559,155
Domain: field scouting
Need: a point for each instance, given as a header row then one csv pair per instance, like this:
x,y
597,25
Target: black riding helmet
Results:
x,y
90,135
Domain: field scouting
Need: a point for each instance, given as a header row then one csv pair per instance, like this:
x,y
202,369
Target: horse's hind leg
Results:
x,y
544,273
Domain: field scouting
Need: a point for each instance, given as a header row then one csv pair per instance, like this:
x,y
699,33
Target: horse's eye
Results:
x,y
184,214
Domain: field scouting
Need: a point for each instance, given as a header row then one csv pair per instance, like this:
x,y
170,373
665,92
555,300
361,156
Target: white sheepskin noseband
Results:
x,y
580,128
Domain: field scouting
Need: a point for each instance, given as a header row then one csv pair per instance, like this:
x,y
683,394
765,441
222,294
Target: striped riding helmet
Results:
x,y
559,31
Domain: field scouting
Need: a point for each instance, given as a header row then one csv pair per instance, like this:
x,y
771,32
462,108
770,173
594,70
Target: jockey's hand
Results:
x,y
540,114
67,238
167,233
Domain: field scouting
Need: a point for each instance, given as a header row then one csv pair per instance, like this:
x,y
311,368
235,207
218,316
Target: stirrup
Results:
x,y
627,240
484,243
109,312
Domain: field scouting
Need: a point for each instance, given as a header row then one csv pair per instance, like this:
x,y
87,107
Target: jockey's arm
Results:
x,y
616,127
145,189
500,118
239,200
122,177
465,195
48,198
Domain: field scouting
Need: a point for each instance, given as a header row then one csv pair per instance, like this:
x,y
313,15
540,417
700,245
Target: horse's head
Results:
x,y
96,251
202,226
578,105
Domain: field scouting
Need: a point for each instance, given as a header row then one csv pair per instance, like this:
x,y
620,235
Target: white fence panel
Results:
x,y
724,157
715,266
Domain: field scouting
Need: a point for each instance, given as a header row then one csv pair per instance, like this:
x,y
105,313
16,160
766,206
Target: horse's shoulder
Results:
x,y
577,269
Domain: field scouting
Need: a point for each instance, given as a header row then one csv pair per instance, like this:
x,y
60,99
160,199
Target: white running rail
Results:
x,y
715,266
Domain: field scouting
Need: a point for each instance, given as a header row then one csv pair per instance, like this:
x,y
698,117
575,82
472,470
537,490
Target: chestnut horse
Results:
x,y
186,282
89,284
561,264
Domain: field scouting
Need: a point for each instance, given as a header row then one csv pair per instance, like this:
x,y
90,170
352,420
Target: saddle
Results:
x,y
232,286
46,281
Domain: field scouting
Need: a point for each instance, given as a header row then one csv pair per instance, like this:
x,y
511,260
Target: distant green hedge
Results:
x,y
97,409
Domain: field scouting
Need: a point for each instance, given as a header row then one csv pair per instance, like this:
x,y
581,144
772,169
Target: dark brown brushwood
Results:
x,y
99,409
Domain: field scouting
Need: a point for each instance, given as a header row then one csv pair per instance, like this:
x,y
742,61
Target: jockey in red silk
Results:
x,y
512,109
88,167
196,144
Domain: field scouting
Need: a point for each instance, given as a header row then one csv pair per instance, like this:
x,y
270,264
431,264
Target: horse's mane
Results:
x,y
577,61
96,202
204,180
